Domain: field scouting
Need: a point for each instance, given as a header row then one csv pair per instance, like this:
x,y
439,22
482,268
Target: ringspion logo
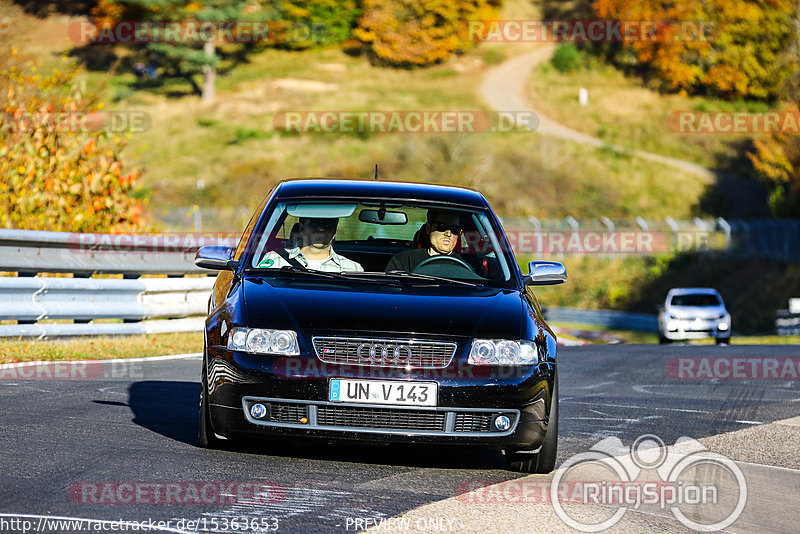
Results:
x,y
703,490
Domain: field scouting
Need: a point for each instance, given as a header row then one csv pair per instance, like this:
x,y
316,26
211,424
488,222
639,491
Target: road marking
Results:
x,y
751,422
683,410
115,523
594,386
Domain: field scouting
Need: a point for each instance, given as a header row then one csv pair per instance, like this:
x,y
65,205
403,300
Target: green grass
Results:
x,y
100,347
573,331
621,111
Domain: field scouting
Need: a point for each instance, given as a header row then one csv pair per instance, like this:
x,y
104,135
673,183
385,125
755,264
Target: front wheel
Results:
x,y
206,438
543,461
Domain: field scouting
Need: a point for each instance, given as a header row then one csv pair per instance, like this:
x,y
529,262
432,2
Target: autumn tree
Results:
x,y
412,33
59,170
192,51
729,48
776,157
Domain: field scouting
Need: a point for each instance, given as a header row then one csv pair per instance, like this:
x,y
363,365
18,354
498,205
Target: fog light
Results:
x,y
722,326
502,423
258,411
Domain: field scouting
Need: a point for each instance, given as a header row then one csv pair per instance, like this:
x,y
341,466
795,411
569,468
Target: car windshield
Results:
x,y
696,299
414,242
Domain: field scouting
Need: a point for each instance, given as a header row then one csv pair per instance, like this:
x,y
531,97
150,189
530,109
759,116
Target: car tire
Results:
x,y
723,340
206,438
545,460
662,340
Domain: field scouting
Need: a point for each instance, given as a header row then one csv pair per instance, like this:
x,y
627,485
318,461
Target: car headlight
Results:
x,y
262,341
502,352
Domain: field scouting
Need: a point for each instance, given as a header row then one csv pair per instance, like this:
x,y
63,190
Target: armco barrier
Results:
x,y
32,299
84,299
606,318
30,251
42,330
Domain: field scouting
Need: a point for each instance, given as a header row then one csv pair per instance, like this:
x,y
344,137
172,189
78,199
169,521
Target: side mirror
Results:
x,y
216,258
545,273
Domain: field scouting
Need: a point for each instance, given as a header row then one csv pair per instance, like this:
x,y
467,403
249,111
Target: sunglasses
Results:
x,y
327,224
443,227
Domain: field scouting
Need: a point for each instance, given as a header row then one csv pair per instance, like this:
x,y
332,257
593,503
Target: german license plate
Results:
x,y
393,392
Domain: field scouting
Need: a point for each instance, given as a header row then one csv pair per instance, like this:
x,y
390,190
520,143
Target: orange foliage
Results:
x,y
419,32
55,174
727,47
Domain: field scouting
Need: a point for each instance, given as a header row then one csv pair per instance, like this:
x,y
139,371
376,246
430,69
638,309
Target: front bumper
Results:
x,y
296,397
682,329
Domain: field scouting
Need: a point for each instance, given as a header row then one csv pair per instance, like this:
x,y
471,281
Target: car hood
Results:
x,y
369,309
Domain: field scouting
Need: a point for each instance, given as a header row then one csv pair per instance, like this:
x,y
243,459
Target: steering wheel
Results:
x,y
443,258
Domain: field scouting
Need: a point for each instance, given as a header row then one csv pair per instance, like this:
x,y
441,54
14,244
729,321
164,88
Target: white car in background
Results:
x,y
693,313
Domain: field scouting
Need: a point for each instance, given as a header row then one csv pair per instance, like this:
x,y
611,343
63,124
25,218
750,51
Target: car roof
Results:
x,y
693,290
371,189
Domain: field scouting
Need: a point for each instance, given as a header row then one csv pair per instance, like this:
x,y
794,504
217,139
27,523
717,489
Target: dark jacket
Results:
x,y
409,259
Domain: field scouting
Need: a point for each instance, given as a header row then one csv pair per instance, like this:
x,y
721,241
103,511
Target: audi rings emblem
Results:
x,y
384,352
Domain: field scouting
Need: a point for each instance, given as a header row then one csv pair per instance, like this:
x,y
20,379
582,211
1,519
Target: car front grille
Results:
x,y
284,412
381,418
473,422
385,352
342,417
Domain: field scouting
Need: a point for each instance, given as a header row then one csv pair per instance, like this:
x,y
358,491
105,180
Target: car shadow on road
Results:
x,y
170,408
166,407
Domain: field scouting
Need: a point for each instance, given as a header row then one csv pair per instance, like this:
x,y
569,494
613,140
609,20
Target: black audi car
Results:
x,y
379,311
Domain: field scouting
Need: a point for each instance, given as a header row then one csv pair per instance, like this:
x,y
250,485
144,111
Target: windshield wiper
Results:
x,y
429,277
303,270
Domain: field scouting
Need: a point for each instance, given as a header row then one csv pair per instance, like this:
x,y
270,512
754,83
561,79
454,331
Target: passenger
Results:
x,y
315,251
441,234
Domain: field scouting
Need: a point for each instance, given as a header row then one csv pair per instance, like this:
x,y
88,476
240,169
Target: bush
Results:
x,y
56,173
566,58
318,22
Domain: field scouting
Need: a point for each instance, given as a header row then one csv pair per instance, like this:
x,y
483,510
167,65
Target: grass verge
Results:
x,y
590,333
100,347
622,112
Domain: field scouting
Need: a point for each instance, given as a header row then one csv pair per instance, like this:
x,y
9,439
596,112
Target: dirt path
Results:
x,y
504,87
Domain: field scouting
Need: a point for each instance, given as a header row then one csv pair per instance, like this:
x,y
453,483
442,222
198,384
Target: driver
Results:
x,y
315,251
443,230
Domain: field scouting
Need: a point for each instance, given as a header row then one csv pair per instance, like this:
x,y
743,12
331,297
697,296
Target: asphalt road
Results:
x,y
121,447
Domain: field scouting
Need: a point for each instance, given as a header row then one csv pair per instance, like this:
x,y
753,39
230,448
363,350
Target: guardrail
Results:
x,y
610,319
31,251
145,305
